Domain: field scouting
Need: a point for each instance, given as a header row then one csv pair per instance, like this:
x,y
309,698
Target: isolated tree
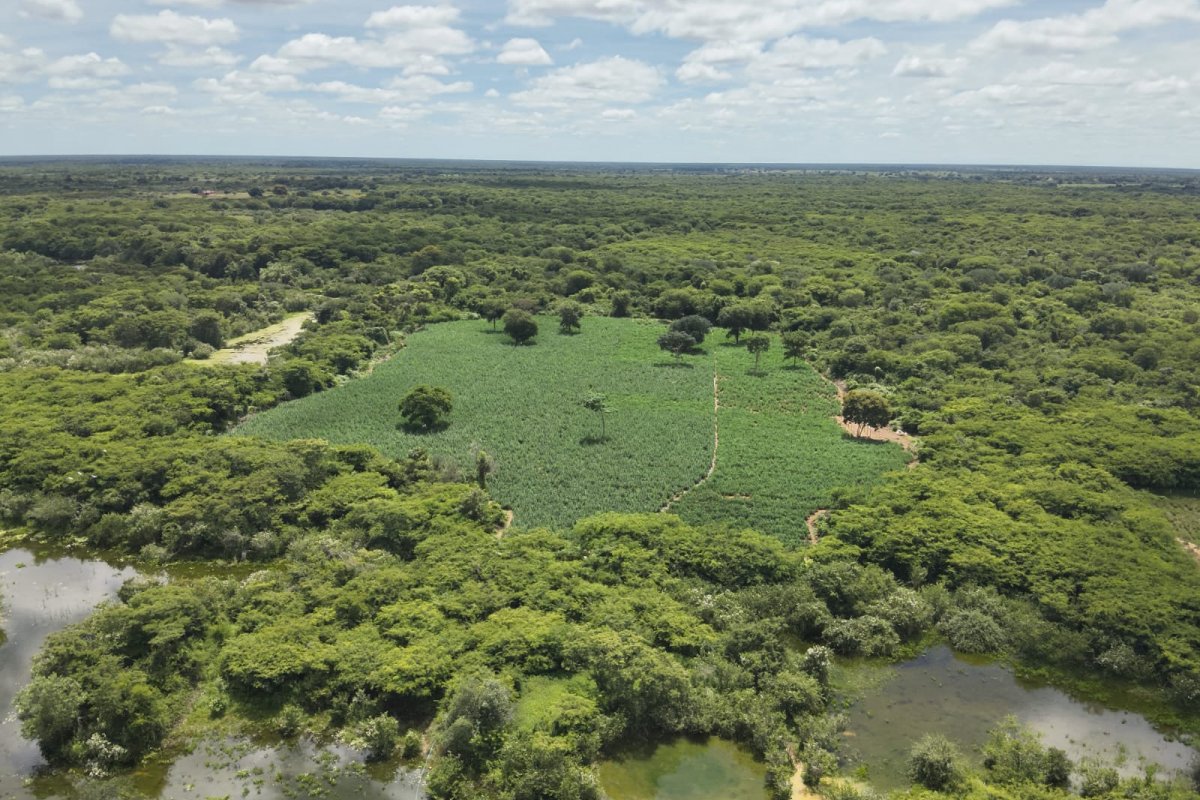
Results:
x,y
862,408
620,303
484,466
734,318
492,309
569,315
599,404
794,345
676,343
694,326
758,344
208,327
520,325
426,407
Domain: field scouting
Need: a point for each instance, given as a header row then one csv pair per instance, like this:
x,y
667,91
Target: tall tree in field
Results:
x,y
520,325
484,466
676,343
735,319
492,309
758,344
569,315
863,408
794,345
426,407
694,326
599,404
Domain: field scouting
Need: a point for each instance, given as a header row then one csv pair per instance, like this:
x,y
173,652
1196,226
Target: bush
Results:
x,y
380,735
203,351
935,763
426,407
972,631
862,636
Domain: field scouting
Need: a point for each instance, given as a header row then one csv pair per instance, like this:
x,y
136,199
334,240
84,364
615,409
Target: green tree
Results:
x,y
735,319
484,466
569,315
50,710
694,326
520,325
935,763
208,327
862,408
676,343
758,344
426,407
599,404
492,309
794,345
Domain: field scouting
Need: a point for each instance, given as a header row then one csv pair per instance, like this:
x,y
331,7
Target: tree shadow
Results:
x,y
675,364
418,430
575,332
793,367
590,440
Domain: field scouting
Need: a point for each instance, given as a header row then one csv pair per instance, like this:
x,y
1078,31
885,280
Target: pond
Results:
x,y
939,692
41,594
685,769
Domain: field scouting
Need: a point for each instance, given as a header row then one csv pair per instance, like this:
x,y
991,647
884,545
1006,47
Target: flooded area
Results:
x,y
237,768
39,596
941,693
685,769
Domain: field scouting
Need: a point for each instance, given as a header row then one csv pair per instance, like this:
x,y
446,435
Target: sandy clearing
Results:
x,y
256,346
1194,549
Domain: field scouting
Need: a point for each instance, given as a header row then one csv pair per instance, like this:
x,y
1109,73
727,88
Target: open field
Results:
x,y
522,406
780,451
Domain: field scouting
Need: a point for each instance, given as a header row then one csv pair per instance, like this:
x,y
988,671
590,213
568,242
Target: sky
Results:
x,y
1084,82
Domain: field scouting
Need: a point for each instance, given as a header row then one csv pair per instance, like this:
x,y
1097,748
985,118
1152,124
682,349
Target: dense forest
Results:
x,y
1038,333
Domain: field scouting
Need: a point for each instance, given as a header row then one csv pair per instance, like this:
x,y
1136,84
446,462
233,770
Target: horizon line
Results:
x,y
838,165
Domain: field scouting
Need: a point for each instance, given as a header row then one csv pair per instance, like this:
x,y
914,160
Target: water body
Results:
x,y
685,769
941,693
40,595
238,768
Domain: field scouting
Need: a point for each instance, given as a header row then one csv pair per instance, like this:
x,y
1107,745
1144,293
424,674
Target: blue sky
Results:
x,y
1113,82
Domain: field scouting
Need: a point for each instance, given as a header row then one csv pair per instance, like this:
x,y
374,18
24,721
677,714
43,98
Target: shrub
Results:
x,y
935,763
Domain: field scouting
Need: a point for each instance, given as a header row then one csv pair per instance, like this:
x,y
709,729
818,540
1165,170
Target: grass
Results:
x,y
780,456
781,453
1183,510
522,405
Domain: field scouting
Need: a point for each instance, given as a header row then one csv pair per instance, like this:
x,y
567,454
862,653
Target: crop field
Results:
x,y
523,406
781,453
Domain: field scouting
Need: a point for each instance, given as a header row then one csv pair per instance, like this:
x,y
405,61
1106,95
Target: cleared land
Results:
x,y
780,452
256,346
523,406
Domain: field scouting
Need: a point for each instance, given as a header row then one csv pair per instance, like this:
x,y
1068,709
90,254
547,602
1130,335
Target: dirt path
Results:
x,y
1191,548
712,466
255,347
508,521
811,523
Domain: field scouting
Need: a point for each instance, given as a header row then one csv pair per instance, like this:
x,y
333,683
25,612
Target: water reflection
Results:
x,y
685,769
40,596
939,693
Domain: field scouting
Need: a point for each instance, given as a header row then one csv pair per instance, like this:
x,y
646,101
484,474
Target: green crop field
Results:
x,y
522,405
780,452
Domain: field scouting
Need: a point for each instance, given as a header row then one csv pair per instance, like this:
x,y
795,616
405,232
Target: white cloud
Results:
x,y
214,56
408,89
524,52
172,28
800,53
216,3
11,103
57,10
747,20
712,61
618,114
413,17
1092,29
915,66
1061,73
21,65
89,71
607,81
416,51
